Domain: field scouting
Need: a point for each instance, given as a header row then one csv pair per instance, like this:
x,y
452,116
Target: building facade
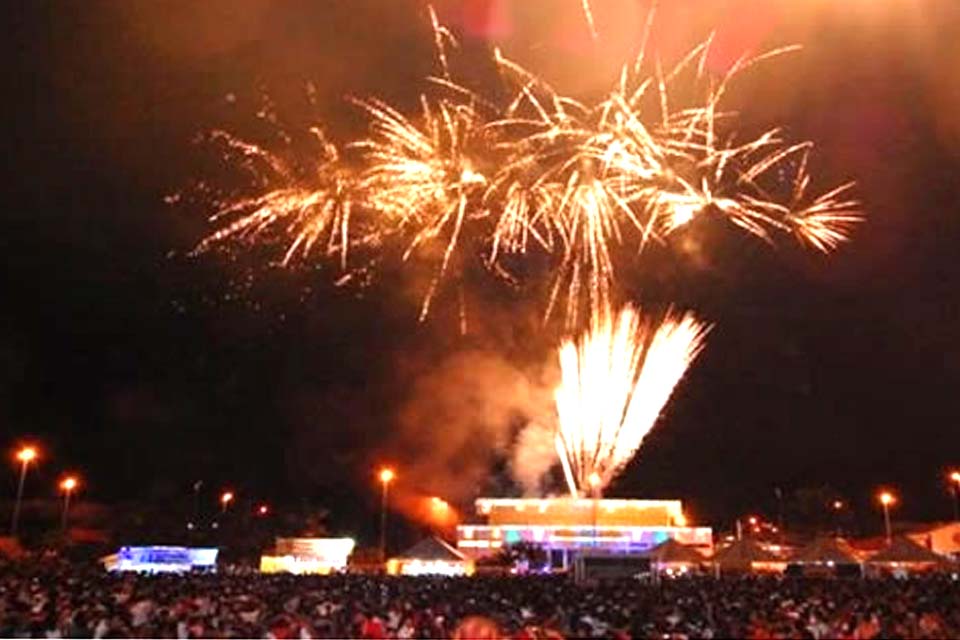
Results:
x,y
567,527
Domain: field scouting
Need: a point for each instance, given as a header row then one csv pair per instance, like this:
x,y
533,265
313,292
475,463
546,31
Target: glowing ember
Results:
x,y
616,380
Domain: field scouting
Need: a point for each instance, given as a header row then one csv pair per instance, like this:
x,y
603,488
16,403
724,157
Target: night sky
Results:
x,y
146,368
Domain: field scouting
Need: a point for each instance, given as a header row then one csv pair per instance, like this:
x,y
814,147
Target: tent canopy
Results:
x,y
743,553
672,552
825,550
433,549
905,550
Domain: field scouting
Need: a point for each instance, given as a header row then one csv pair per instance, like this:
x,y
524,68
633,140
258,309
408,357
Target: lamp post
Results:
x,y
955,479
26,455
225,499
67,485
386,477
887,499
195,523
594,480
837,509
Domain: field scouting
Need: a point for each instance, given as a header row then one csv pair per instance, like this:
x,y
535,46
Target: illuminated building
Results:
x,y
565,527
161,559
307,555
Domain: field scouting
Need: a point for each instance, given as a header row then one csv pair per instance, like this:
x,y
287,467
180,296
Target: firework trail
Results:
x,y
543,173
615,381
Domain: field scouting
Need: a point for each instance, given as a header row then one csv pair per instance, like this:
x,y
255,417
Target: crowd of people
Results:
x,y
55,600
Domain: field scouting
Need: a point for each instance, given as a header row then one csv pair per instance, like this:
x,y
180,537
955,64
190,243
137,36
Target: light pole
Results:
x,y
195,523
837,509
67,485
386,477
225,499
955,479
887,499
594,480
26,455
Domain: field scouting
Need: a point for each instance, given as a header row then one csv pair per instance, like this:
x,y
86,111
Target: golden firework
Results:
x,y
615,381
541,173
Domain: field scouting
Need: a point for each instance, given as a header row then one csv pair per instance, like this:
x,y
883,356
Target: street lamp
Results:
x,y
225,499
955,479
25,456
886,499
594,480
837,509
67,485
386,477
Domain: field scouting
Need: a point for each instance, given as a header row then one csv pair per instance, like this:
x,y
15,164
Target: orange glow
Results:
x,y
594,480
753,521
226,498
68,484
886,498
955,476
837,505
387,475
27,455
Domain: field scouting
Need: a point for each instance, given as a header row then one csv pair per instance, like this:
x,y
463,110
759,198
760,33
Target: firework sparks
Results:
x,y
424,179
303,209
541,173
615,381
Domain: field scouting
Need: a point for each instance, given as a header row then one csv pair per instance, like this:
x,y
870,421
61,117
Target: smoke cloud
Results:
x,y
472,410
534,454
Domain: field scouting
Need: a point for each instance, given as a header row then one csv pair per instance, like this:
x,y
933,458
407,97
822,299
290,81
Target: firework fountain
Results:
x,y
615,381
544,173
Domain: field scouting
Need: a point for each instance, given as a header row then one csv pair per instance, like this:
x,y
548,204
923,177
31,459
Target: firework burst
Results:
x,y
307,210
615,381
542,173
425,182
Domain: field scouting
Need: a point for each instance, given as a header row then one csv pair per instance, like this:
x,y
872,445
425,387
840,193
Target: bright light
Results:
x,y
27,455
753,521
387,475
594,480
263,509
955,476
837,505
226,498
439,503
68,484
615,380
887,498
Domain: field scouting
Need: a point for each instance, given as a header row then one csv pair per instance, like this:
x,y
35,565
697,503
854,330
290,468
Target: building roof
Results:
x,y
672,552
825,550
743,553
905,550
433,548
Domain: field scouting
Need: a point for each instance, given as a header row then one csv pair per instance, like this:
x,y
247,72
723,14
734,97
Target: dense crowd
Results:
x,y
47,600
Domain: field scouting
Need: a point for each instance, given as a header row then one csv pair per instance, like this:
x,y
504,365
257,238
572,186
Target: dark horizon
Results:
x,y
145,369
